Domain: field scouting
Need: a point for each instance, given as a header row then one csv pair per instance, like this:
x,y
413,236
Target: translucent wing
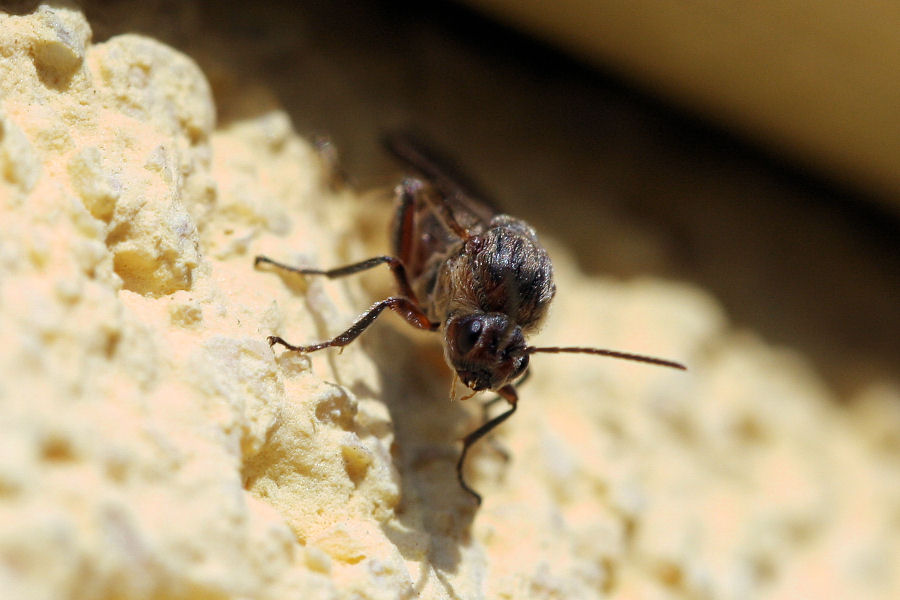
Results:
x,y
468,203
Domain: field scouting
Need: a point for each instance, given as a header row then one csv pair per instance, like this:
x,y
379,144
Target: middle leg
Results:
x,y
395,264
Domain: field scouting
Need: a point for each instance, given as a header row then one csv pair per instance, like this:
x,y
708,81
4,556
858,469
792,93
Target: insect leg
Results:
x,y
405,307
335,175
508,393
485,407
485,416
414,188
395,264
404,228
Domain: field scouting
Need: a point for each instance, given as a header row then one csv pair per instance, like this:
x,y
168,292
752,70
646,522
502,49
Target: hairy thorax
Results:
x,y
500,270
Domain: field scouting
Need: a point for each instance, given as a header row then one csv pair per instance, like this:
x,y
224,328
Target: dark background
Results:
x,y
631,184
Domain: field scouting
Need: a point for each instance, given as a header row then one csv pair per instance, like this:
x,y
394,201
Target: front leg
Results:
x,y
405,307
508,393
486,412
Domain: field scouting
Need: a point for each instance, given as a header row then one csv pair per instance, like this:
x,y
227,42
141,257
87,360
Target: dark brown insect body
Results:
x,y
480,277
488,288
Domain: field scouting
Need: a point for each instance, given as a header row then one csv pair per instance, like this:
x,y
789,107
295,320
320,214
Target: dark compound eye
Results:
x,y
467,335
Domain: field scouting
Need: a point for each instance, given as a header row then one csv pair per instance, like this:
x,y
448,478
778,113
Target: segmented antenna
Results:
x,y
610,353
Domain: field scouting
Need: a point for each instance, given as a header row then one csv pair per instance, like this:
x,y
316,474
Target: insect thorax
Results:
x,y
502,270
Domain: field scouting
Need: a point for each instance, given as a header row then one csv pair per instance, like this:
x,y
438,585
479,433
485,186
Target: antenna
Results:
x,y
610,353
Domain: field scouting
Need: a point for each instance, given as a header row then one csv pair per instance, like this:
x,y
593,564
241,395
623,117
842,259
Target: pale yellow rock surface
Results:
x,y
153,446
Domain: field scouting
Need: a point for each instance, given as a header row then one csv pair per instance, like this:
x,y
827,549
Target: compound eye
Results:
x,y
520,365
467,334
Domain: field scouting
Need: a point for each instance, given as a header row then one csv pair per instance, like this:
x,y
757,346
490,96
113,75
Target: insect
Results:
x,y
479,277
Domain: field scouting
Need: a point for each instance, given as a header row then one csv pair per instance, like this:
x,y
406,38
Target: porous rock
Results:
x,y
152,445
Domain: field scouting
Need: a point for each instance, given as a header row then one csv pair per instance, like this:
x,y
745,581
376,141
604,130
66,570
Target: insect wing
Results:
x,y
469,205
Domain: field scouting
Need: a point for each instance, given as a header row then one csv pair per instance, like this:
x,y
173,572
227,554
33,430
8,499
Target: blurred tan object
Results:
x,y
817,82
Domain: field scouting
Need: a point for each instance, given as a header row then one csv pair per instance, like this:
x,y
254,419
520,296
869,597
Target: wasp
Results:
x,y
464,269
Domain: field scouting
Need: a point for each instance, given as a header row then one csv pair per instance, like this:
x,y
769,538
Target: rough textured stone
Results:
x,y
152,445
